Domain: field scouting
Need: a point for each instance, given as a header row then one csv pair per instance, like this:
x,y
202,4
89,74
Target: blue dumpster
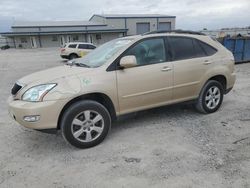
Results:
x,y
239,46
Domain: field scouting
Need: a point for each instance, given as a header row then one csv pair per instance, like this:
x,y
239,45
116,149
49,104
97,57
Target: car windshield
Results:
x,y
103,53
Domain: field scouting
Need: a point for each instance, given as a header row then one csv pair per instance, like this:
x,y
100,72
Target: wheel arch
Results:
x,y
73,53
222,79
98,97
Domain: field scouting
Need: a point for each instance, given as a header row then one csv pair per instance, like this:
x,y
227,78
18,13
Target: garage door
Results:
x,y
164,26
142,28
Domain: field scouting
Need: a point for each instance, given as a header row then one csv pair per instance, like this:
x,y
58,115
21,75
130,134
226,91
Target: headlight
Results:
x,y
37,93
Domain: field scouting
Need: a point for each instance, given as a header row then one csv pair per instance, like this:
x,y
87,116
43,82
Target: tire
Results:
x,y
73,56
210,98
85,124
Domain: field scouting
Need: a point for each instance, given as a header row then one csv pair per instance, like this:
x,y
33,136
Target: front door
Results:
x,y
149,84
33,42
68,38
62,40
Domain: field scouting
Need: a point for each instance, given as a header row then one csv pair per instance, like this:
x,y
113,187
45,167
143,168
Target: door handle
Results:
x,y
207,62
166,69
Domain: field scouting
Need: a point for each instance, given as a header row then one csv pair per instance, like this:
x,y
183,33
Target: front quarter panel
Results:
x,y
98,81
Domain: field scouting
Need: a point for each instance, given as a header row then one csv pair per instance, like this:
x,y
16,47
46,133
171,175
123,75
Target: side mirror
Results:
x,y
128,61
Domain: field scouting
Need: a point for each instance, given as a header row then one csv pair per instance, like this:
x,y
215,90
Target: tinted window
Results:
x,y
148,51
82,46
181,48
207,48
72,46
91,47
198,49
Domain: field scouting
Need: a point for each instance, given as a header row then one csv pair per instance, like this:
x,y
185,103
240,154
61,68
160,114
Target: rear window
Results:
x,y
72,45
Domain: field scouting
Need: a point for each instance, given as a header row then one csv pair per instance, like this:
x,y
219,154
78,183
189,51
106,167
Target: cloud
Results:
x,y
191,14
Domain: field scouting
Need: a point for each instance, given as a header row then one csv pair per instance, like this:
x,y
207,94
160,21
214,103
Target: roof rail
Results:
x,y
174,31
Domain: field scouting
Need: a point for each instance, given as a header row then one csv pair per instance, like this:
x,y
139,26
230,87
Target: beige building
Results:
x,y
98,30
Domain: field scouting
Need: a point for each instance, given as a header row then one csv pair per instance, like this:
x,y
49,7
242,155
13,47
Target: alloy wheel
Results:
x,y
213,97
87,126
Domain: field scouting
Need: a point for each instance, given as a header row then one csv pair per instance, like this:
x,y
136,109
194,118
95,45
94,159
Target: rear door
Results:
x,y
190,63
82,49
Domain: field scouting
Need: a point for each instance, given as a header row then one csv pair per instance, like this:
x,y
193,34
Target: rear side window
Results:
x,y
181,48
82,46
198,49
91,47
209,50
72,46
187,48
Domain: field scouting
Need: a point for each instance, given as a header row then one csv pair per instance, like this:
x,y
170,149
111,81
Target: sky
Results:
x,y
190,14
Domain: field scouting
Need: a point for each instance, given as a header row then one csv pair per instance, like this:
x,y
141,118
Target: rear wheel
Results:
x,y
85,124
210,98
73,56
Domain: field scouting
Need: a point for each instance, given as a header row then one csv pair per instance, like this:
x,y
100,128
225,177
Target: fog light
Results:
x,y
31,118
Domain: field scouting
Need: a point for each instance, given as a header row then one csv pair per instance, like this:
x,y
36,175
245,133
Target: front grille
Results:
x,y
15,89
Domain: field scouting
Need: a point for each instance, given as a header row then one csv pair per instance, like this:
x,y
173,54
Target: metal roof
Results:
x,y
55,24
103,30
133,16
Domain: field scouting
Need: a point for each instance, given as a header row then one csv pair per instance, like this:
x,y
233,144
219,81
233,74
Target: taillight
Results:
x,y
63,49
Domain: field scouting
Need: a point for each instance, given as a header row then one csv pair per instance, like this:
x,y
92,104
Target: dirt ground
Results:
x,y
165,147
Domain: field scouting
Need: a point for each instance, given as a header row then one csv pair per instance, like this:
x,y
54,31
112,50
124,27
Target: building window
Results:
x,y
54,38
98,36
23,40
75,38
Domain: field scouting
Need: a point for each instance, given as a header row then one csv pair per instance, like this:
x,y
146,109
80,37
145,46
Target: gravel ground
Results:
x,y
170,146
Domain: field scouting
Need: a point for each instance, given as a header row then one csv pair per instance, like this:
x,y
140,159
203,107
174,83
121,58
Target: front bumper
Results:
x,y
48,111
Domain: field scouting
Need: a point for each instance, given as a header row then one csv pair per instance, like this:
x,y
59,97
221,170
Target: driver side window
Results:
x,y
150,51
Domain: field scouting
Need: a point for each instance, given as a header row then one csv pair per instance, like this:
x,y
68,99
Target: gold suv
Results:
x,y
122,76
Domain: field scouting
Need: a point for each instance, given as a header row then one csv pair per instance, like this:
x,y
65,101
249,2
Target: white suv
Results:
x,y
74,50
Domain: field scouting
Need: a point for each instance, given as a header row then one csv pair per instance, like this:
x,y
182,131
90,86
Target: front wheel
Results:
x,y
210,98
85,124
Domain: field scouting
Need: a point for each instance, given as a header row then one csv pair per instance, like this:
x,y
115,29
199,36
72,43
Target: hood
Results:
x,y
52,74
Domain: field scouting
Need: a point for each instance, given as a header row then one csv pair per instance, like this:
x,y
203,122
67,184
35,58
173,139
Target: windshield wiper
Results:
x,y
81,65
73,62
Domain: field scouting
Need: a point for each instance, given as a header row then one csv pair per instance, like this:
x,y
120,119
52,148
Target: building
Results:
x,y
137,23
98,30
57,33
220,33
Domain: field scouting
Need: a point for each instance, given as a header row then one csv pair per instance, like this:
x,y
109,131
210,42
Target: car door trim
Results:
x,y
147,92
